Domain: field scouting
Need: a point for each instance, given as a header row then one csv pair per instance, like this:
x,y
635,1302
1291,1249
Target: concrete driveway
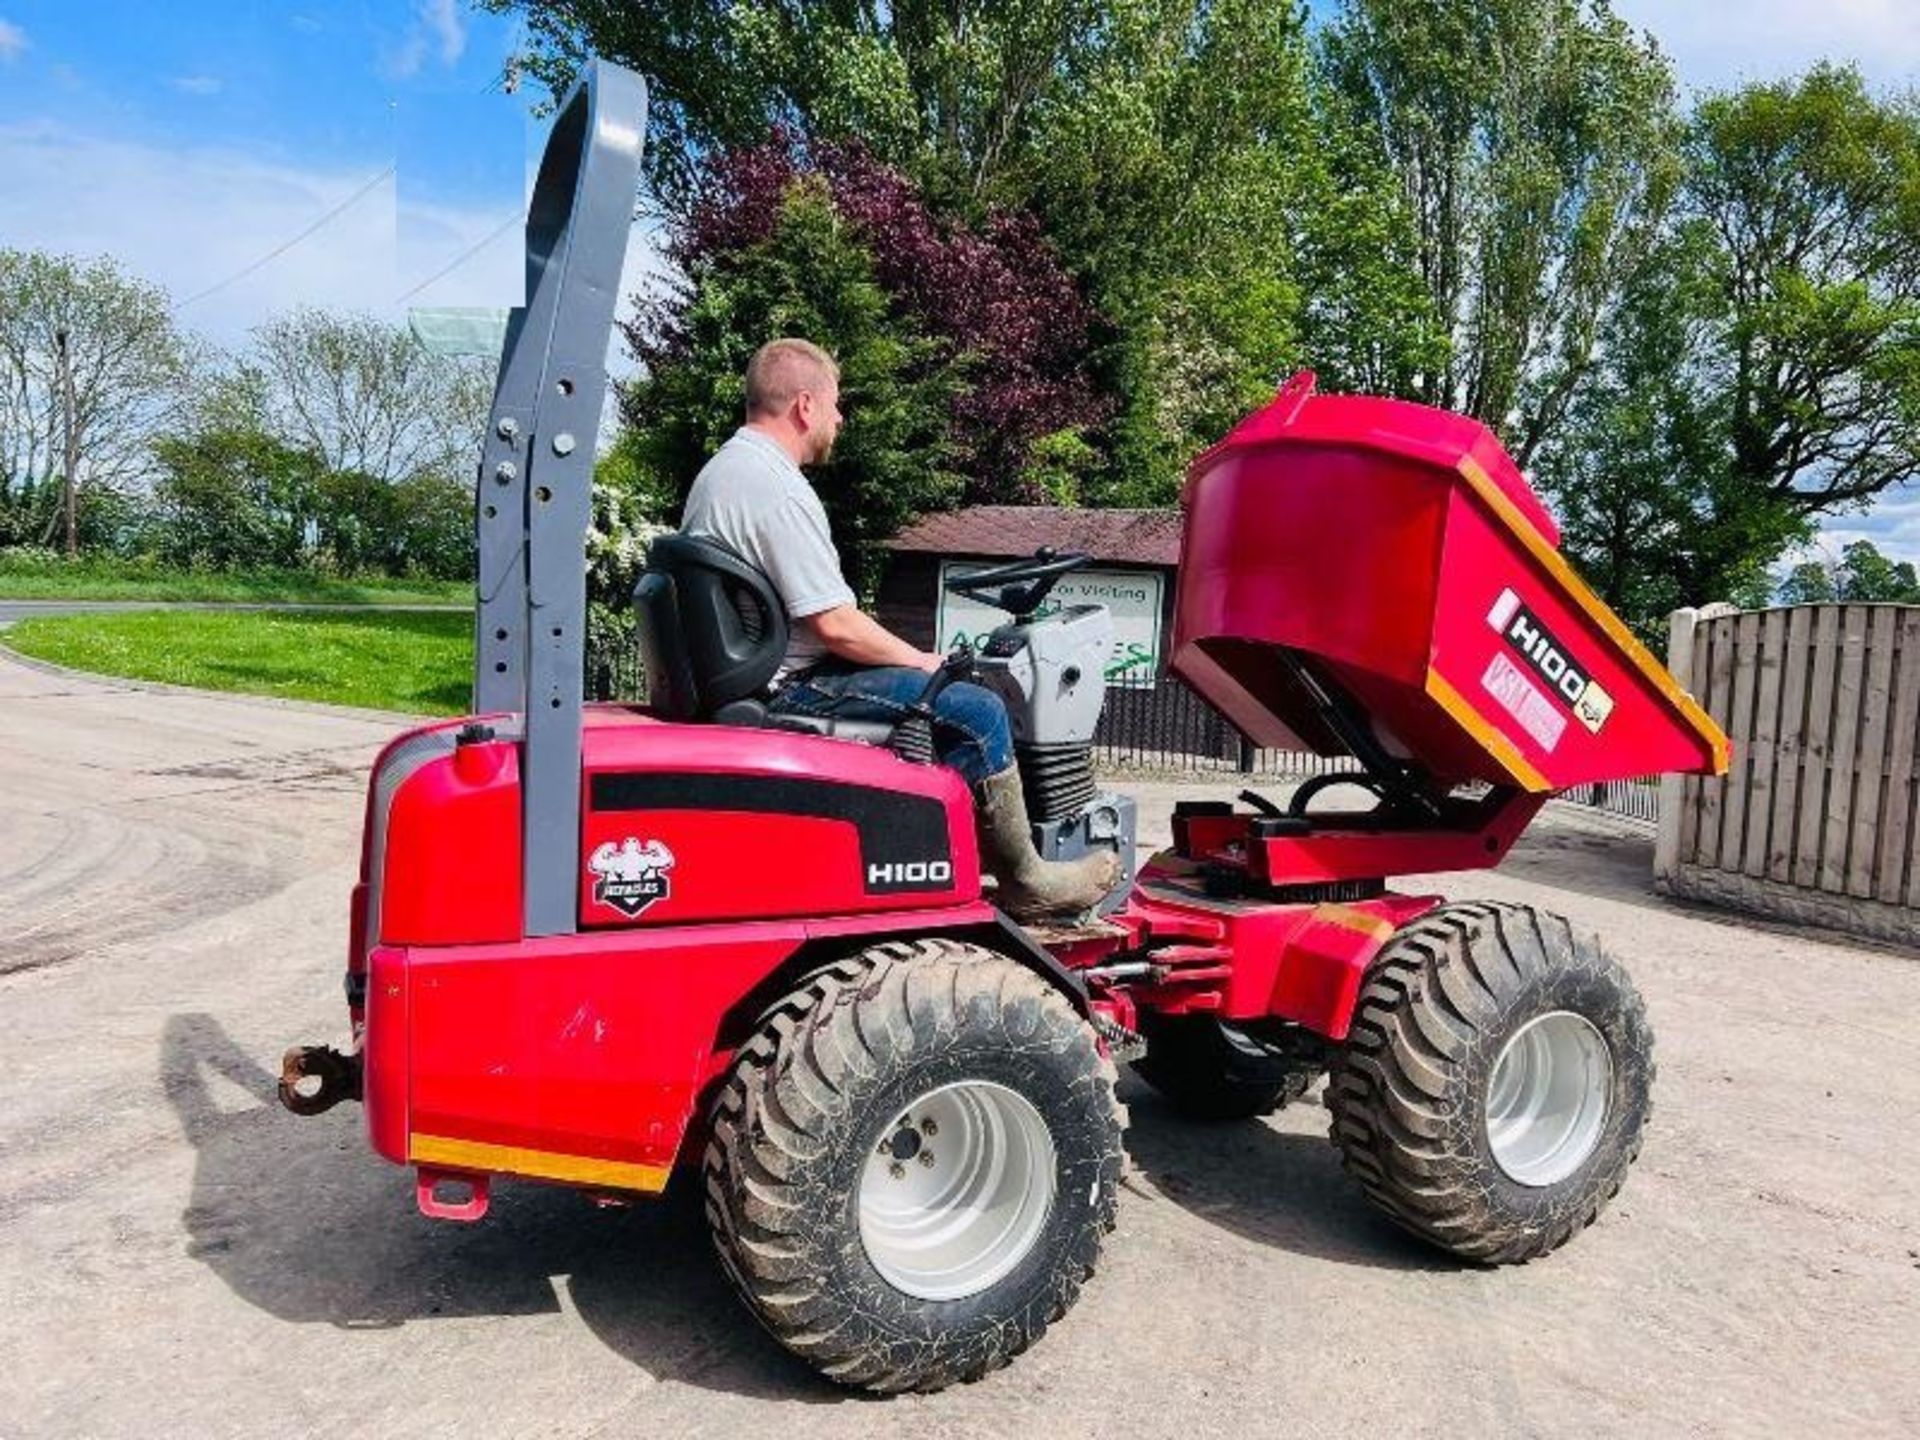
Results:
x,y
181,1258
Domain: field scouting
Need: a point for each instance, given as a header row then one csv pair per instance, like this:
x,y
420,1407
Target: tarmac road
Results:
x,y
181,1258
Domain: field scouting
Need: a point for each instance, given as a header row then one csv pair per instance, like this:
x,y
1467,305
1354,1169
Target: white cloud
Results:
x,y
1717,45
13,40
1893,525
197,84
443,20
436,24
187,219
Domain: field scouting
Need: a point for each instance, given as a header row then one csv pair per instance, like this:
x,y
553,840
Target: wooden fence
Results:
x,y
1816,818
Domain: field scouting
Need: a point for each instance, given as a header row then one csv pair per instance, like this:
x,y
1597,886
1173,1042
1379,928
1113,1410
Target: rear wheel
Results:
x,y
913,1163
1496,1081
1212,1071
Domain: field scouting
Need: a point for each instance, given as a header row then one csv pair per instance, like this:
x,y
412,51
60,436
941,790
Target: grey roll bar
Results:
x,y
533,501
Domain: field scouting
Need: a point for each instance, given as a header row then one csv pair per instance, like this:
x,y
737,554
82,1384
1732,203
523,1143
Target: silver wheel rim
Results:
x,y
1547,1099
957,1190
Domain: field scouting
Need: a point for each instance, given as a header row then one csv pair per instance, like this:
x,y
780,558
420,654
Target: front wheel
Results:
x,y
1492,1092
913,1164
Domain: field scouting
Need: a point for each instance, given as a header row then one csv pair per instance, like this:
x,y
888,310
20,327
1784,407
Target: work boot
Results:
x,y
1032,888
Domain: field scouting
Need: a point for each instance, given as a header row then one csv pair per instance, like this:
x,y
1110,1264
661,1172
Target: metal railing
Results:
x,y
1635,800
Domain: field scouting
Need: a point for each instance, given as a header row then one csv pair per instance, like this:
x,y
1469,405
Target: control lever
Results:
x,y
913,737
1262,804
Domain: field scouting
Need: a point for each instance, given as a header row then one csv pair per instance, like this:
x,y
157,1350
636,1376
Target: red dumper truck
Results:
x,y
614,946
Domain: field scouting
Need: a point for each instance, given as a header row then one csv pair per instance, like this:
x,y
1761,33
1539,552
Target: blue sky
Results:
x,y
190,139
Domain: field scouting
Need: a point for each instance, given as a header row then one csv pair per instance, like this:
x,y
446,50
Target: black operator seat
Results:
x,y
712,634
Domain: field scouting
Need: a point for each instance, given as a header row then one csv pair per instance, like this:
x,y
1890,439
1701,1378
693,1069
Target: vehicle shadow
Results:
x,y
299,1219
1608,866
1270,1181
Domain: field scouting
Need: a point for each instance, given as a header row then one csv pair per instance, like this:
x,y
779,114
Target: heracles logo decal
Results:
x,y
630,876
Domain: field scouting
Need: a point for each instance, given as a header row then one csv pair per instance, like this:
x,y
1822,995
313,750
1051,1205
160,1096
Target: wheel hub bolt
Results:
x,y
897,1171
928,1128
926,1158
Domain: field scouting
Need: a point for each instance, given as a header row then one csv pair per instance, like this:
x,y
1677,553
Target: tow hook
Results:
x,y
338,1078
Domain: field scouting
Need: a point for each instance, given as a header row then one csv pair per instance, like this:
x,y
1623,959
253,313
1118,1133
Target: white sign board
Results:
x,y
1132,595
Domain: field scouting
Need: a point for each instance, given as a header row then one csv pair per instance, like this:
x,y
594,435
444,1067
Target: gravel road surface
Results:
x,y
182,1258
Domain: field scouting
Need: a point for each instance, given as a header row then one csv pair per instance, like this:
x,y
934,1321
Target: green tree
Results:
x,y
1533,142
91,368
1866,574
1863,575
1174,174
1808,583
432,527
808,277
364,395
1228,228
945,89
1806,198
1764,368
334,440
1647,508
233,499
421,525
1229,225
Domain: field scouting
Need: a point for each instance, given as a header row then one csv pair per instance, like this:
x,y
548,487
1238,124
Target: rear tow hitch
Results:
x,y
315,1078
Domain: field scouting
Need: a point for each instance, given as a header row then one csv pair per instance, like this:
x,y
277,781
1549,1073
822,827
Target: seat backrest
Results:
x,y
712,628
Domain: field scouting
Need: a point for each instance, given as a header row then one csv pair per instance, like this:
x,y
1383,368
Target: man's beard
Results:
x,y
822,451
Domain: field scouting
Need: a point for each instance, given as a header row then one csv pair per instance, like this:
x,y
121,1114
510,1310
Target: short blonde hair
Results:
x,y
781,369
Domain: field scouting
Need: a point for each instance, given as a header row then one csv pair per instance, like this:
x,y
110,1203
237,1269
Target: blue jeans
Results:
x,y
970,730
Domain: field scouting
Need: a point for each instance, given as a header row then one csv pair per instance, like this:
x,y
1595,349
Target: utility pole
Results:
x,y
64,360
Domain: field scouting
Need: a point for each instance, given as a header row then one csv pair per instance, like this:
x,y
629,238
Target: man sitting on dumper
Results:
x,y
753,498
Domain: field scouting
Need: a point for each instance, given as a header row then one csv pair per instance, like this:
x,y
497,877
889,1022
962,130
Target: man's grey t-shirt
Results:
x,y
753,499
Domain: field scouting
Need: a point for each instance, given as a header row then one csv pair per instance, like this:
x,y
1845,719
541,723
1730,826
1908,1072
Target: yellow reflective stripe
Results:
x,y
1488,489
1361,922
1475,724
543,1164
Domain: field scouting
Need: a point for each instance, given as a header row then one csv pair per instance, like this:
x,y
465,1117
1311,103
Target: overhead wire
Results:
x,y
510,75
462,258
281,249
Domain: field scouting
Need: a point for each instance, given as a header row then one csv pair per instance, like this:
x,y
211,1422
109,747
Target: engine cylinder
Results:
x,y
1057,779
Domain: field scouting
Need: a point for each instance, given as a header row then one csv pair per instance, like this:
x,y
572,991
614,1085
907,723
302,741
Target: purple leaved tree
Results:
x,y
995,293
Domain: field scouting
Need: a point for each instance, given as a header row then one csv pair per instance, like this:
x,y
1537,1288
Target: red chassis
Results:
x,y
586,1058
715,865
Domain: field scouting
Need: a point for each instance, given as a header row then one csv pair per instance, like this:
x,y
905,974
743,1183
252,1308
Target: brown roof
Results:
x,y
1133,537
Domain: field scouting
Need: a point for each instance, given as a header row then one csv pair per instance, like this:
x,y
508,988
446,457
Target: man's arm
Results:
x,y
851,634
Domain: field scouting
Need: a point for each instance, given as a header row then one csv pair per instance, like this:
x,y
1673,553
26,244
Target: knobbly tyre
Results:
x,y
602,944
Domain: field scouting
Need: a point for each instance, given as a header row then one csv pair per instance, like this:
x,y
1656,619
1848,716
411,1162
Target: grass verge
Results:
x,y
418,663
42,579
